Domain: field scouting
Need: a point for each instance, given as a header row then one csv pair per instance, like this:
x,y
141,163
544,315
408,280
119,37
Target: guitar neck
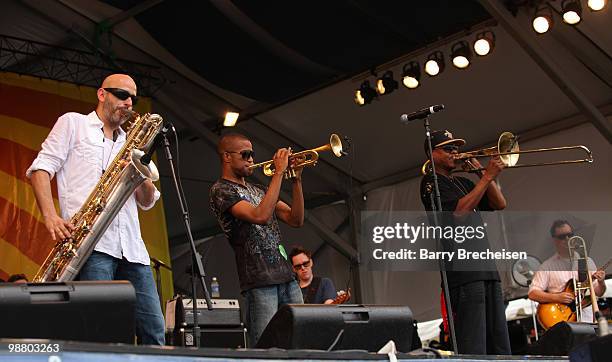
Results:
x,y
606,265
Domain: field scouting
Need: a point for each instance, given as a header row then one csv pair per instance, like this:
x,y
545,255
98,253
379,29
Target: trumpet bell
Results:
x,y
335,144
508,142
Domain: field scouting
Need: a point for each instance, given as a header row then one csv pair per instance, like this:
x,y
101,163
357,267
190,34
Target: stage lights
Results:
x,y
542,21
461,54
411,75
434,64
596,5
572,11
485,42
230,119
386,84
365,94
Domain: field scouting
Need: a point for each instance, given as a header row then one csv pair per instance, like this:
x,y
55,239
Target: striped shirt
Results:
x,y
553,274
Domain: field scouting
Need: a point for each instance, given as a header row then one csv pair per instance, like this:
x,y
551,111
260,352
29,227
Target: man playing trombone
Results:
x,y
248,214
476,296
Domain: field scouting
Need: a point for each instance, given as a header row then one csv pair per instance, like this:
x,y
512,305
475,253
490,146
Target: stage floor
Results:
x,y
90,352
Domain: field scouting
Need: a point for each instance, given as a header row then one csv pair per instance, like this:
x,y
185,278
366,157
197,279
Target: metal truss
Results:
x,y
75,66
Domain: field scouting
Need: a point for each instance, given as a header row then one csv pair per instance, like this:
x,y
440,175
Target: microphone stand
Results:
x,y
156,265
436,207
196,257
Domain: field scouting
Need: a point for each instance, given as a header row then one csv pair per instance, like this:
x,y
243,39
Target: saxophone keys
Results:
x,y
100,205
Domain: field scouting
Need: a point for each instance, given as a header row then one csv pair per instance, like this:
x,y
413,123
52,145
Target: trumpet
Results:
x,y
509,152
304,158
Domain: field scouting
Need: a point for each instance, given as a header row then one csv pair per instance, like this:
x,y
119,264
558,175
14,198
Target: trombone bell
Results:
x,y
508,143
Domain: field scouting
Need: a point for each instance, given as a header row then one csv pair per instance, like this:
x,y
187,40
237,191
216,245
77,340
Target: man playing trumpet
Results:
x,y
248,214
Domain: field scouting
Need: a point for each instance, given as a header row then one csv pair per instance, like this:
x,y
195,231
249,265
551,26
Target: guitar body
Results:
x,y
550,314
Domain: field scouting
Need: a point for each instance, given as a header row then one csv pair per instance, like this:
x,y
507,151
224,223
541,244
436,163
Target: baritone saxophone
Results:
x,y
109,195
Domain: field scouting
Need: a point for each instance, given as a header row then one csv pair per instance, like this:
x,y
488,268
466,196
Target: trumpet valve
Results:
x,y
290,173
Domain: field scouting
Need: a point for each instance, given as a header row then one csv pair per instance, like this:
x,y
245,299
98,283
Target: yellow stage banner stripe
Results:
x,y
67,90
20,194
22,132
14,261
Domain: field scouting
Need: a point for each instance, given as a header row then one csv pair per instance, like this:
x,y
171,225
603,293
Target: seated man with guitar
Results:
x,y
552,284
315,290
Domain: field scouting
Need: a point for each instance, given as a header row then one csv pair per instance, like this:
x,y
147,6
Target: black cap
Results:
x,y
441,138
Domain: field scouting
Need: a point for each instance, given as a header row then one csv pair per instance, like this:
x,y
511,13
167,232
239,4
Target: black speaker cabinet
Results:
x,y
365,327
596,350
93,311
561,338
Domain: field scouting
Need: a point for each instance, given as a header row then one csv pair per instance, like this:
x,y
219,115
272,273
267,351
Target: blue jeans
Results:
x,y
150,326
262,303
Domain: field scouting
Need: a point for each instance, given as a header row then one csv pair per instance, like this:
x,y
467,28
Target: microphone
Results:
x,y
423,113
157,142
158,262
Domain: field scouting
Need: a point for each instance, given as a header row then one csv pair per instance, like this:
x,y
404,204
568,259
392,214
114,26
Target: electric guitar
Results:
x,y
550,314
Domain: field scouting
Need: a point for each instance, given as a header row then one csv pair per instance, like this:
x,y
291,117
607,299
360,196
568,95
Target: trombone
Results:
x,y
304,158
508,151
578,256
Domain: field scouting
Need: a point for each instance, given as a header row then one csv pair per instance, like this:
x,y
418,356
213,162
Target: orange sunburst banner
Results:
x,y
28,109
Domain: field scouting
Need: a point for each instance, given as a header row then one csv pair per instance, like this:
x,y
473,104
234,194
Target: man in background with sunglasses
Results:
x,y
248,214
476,295
78,150
550,280
315,290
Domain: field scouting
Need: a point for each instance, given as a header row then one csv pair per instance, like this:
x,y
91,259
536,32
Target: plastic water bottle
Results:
x,y
214,288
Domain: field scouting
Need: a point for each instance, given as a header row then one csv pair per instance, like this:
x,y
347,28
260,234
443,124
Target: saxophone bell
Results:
x,y
148,170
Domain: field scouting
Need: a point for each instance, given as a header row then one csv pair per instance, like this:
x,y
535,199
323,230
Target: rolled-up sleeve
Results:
x,y
55,148
156,196
540,280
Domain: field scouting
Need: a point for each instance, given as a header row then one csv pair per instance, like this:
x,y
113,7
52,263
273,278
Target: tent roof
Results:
x,y
273,52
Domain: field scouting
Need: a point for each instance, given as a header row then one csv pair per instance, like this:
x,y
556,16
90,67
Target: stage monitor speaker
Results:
x,y
561,338
344,326
92,311
596,350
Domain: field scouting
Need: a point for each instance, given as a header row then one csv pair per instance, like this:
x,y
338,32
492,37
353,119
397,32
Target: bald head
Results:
x,y
229,141
122,81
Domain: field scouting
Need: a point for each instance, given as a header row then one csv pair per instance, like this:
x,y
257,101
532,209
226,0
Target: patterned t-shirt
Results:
x,y
256,247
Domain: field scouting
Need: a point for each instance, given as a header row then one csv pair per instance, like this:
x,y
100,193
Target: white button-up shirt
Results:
x,y
77,152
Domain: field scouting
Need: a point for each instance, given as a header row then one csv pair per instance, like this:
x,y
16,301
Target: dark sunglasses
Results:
x,y
305,264
564,236
122,94
246,154
449,148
